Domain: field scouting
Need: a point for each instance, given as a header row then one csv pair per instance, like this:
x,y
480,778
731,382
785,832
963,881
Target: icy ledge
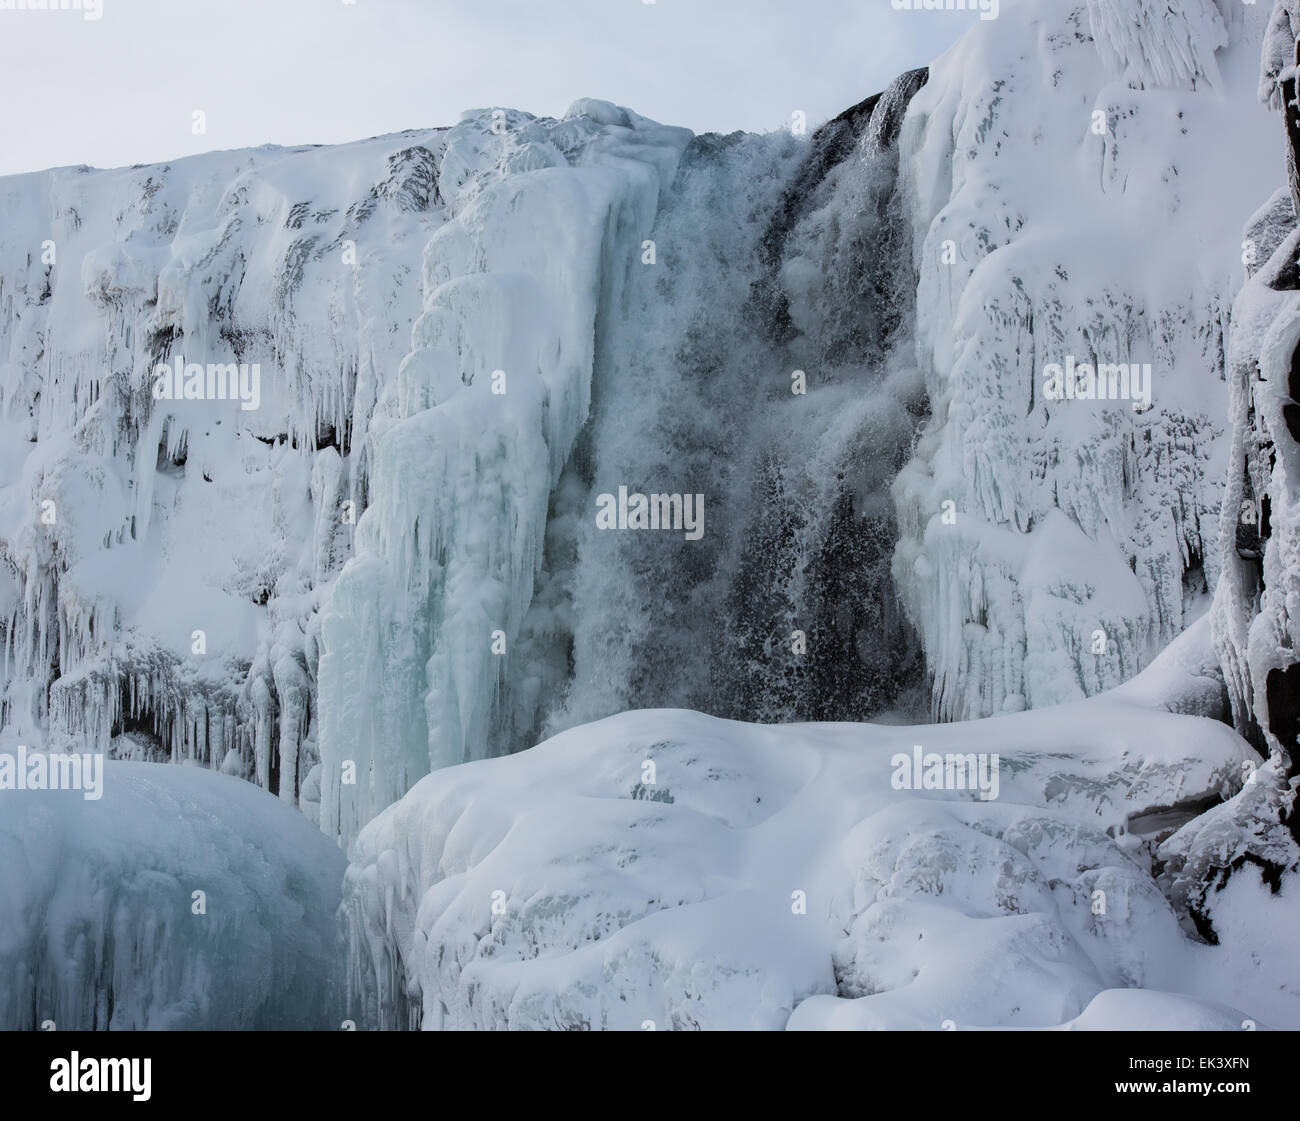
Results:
x,y
97,909
562,888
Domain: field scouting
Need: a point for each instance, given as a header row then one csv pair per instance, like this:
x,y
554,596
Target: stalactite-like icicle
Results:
x,y
471,437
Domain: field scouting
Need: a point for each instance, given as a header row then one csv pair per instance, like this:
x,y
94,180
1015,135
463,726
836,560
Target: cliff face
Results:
x,y
1256,627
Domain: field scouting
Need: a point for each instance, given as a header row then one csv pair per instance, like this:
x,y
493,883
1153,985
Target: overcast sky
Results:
x,y
122,89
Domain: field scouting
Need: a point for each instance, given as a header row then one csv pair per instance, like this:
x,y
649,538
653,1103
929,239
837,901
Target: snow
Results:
x,y
97,913
573,885
1113,247
1124,1009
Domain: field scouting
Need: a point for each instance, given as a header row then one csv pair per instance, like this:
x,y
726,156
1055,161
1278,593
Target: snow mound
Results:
x,y
670,869
1140,1009
98,927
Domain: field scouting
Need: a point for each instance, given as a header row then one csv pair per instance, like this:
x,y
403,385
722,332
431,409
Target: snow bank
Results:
x,y
100,926
668,868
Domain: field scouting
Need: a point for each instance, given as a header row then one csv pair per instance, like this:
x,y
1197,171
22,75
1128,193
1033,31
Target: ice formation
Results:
x,y
471,436
165,559
1156,44
100,926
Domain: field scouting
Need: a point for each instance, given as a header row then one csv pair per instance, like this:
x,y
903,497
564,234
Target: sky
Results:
x,y
123,88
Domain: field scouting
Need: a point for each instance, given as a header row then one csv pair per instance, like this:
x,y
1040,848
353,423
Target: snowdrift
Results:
x,y
666,868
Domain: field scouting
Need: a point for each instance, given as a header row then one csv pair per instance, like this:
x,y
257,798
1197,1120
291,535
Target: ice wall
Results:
x,y
1076,177
470,437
